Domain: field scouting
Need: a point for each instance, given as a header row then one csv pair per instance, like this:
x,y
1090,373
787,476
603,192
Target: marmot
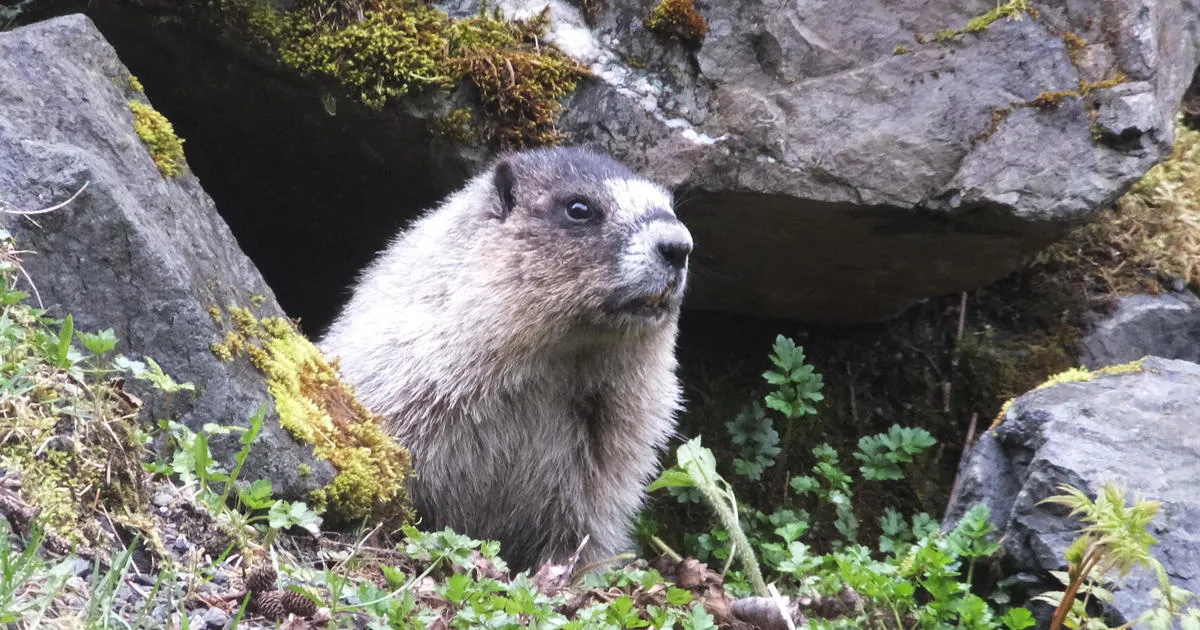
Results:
x,y
519,339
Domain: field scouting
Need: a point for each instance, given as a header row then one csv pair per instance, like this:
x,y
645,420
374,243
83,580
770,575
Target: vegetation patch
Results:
x,y
916,573
70,443
156,132
381,50
677,19
316,408
1053,99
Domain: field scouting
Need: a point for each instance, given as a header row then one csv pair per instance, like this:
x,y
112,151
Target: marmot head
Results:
x,y
596,243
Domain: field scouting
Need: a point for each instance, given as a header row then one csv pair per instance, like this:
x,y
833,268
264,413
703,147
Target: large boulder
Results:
x,y
843,160
1166,325
835,161
137,251
1138,426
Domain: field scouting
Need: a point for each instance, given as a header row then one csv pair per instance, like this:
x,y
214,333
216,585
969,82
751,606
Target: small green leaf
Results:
x,y
258,496
63,347
698,619
98,343
678,596
1018,619
671,478
201,459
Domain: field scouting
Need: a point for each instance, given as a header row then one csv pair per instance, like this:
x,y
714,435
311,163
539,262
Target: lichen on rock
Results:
x,y
157,133
315,407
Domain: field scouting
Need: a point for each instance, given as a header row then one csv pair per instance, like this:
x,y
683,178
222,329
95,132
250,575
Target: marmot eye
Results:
x,y
579,211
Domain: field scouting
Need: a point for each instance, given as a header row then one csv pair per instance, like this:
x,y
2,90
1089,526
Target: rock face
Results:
x,y
1139,429
835,169
136,251
835,161
1166,326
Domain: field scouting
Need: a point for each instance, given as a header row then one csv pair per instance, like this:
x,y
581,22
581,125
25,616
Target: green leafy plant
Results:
x,y
917,577
189,459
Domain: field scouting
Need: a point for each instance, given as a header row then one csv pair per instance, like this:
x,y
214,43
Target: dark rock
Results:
x,y
135,251
1166,326
215,618
1137,429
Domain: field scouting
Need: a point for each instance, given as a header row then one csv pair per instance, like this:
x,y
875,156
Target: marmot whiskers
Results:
x,y
519,339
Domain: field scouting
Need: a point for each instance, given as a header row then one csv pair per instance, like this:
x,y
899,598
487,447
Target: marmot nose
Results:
x,y
675,252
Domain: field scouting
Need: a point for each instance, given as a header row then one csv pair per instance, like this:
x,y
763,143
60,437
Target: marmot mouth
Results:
x,y
652,304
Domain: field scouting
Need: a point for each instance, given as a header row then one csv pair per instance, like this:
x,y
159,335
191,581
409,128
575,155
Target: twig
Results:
x,y
51,208
662,546
853,397
962,317
962,458
779,602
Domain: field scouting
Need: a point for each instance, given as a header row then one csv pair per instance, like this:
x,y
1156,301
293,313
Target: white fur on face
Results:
x,y
636,198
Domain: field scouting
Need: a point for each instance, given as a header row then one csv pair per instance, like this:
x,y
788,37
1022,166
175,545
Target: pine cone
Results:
x,y
261,578
297,604
268,604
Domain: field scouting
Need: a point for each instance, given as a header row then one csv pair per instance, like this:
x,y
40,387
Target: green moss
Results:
x,y
677,19
901,50
386,49
519,83
156,132
395,48
1012,10
1050,99
69,435
316,408
136,85
458,125
1075,46
257,300
304,470
946,34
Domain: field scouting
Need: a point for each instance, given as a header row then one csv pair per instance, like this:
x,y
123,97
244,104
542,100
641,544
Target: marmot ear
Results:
x,y
504,182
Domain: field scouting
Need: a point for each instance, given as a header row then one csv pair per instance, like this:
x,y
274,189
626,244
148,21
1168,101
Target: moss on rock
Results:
x,y
381,50
519,82
390,49
1011,10
1075,375
316,408
677,19
156,132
